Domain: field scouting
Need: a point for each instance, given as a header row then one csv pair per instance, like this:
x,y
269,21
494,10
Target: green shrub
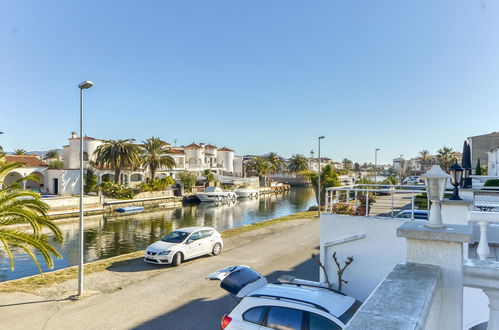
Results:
x,y
391,180
188,180
90,182
157,184
116,190
57,164
344,208
491,183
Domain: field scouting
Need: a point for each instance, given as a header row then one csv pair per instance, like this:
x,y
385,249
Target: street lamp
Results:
x,y
84,85
435,180
456,178
319,188
376,165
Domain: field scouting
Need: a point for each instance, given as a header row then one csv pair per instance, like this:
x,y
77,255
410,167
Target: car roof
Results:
x,y
193,229
415,211
336,304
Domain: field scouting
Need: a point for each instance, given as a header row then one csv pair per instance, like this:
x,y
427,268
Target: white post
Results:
x,y
493,295
80,236
483,249
367,204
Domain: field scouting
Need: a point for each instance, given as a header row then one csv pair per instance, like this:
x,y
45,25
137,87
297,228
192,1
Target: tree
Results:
x,y
347,164
19,207
19,152
478,170
118,155
329,179
424,158
298,163
259,166
154,155
90,182
52,154
209,176
276,161
188,180
356,167
58,164
445,156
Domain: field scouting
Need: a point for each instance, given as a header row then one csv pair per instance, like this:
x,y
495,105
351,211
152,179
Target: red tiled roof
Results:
x,y
210,146
225,149
176,151
192,146
26,160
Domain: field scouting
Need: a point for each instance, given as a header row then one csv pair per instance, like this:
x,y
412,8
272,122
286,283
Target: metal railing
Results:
x,y
389,201
486,199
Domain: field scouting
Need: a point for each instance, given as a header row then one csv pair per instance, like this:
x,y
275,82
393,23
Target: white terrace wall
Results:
x,y
374,255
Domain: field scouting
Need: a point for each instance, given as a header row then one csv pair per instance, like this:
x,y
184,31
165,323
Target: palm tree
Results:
x,y
154,155
298,163
19,206
259,166
118,155
19,152
347,164
424,158
275,160
445,156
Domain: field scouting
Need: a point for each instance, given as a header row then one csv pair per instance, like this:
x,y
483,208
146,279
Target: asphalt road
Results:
x,y
177,298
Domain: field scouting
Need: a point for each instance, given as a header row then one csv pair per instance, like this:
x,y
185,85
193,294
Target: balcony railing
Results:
x,y
377,200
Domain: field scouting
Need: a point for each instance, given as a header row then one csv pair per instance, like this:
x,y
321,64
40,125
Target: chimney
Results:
x,y
202,145
73,135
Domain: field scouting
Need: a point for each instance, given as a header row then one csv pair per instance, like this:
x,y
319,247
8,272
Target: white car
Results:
x,y
412,180
183,244
289,304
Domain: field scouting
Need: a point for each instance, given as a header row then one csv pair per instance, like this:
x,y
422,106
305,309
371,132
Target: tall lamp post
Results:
x,y
319,188
376,165
84,85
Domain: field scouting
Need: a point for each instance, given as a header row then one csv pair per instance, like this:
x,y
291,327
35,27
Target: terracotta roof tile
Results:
x,y
192,146
176,151
26,160
210,146
225,149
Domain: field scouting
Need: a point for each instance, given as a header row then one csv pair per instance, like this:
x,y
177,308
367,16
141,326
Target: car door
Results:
x,y
207,241
283,318
193,245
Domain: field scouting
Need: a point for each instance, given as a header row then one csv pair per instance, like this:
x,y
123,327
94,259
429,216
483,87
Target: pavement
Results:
x,y
175,298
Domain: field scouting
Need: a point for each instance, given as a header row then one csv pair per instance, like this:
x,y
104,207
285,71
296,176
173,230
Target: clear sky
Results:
x,y
256,76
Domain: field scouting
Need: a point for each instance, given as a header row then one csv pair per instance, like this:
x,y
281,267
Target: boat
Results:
x,y
246,192
215,194
130,209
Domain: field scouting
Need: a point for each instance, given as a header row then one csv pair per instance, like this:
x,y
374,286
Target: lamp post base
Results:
x,y
435,220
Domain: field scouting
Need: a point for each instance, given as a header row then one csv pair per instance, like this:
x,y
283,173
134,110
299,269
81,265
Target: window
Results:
x,y
85,156
284,318
175,237
206,233
195,236
317,322
254,315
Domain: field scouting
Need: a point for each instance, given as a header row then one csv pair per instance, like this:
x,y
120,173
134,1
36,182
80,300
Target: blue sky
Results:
x,y
257,76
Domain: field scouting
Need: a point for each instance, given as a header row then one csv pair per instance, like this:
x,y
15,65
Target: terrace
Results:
x,y
378,225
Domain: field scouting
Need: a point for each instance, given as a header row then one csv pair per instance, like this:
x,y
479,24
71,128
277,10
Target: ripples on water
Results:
x,y
109,236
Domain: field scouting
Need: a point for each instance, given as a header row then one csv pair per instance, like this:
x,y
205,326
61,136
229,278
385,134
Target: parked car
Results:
x,y
288,304
183,244
418,214
412,180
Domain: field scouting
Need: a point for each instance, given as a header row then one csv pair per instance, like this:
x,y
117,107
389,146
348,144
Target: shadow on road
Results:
x,y
33,302
139,265
206,314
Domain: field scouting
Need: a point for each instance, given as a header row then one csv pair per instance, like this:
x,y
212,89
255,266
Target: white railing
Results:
x,y
484,219
377,200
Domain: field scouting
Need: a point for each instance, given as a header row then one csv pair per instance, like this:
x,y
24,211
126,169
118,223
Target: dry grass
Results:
x,y
32,283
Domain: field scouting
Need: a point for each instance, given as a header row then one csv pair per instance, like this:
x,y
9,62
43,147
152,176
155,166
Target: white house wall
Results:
x,y
374,255
68,181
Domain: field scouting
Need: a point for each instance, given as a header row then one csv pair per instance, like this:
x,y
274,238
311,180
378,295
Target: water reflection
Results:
x,y
108,236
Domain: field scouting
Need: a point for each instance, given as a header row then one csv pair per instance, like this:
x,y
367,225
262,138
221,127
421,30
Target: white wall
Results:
x,y
226,158
68,181
374,256
72,153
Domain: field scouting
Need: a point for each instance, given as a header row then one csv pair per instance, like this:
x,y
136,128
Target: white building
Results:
x,y
493,162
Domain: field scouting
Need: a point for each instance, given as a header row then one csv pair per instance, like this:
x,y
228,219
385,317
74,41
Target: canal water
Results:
x,y
109,236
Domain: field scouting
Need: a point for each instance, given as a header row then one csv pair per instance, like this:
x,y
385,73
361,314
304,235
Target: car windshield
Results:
x,y
175,237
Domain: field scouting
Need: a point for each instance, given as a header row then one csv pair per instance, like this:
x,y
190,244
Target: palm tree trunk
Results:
x,y
117,175
153,173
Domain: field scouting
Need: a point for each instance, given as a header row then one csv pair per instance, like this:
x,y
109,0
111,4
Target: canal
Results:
x,y
108,236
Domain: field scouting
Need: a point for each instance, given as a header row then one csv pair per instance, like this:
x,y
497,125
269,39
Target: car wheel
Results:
x,y
217,248
177,259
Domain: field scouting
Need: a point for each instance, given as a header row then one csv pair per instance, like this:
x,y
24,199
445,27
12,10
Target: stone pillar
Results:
x,y
456,212
493,295
442,247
